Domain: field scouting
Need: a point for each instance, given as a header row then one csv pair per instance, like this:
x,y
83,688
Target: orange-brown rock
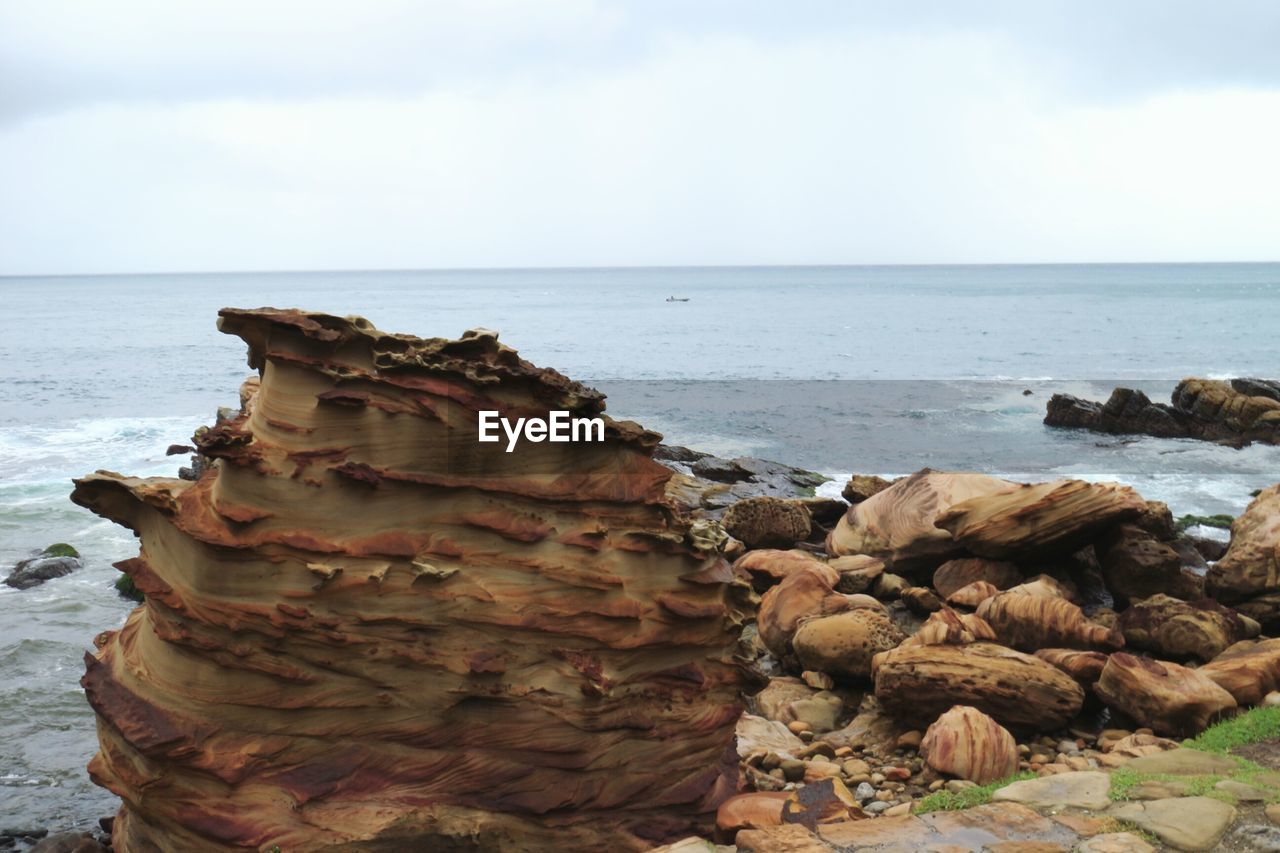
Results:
x,y
858,572
1172,628
1030,623
972,595
898,526
1136,565
1248,670
1249,573
767,522
946,627
968,744
918,683
921,600
749,811
1046,586
843,644
364,629
863,486
1165,697
1084,667
1040,519
768,566
955,574
807,592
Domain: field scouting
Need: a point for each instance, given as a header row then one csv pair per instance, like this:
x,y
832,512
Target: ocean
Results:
x,y
877,370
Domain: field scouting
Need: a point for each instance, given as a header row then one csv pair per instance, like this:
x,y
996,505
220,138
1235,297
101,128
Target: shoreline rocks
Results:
x,y
55,561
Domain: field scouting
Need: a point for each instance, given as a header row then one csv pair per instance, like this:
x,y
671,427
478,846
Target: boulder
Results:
x,y
1136,565
1084,667
971,595
968,744
769,566
1250,570
858,572
1180,630
1031,623
1046,586
749,811
37,570
919,683
808,591
946,627
1183,823
954,574
365,629
863,486
920,600
1248,670
1165,697
898,524
843,644
767,522
1037,520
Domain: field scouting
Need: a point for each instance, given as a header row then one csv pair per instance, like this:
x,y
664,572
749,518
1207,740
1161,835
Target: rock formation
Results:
x,y
966,743
364,630
919,683
768,566
1248,575
807,592
767,522
972,595
843,644
898,524
1168,698
1032,622
954,574
862,486
1137,565
1238,411
1180,630
1084,667
1038,519
1248,670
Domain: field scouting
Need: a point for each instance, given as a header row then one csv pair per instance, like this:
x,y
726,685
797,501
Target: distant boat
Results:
x,y
677,299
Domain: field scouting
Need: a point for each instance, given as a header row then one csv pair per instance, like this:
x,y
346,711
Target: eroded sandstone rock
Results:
x,y
1168,698
968,744
1181,630
768,522
1248,575
363,629
843,644
808,592
1248,670
1031,623
955,574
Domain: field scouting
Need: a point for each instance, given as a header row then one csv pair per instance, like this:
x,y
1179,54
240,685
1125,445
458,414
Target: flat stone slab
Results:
x,y
1084,789
996,826
1184,762
1115,842
1184,823
1242,792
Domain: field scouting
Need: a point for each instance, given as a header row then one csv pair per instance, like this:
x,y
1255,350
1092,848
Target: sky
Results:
x,y
168,135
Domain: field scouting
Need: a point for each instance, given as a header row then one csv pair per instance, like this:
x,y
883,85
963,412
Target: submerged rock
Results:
x,y
364,629
53,562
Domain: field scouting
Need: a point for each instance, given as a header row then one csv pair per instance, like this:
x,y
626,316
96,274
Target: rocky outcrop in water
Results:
x,y
364,630
1235,412
53,562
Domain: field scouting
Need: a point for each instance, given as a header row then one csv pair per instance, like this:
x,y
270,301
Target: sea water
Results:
x,y
877,370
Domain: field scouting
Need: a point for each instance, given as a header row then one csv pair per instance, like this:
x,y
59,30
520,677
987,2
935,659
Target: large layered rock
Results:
x,y
1040,519
1032,622
808,592
1170,699
1248,575
898,523
1238,411
365,630
966,743
1138,565
918,683
1181,630
768,566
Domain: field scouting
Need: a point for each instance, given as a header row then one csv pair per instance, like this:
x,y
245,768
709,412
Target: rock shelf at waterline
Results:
x,y
403,635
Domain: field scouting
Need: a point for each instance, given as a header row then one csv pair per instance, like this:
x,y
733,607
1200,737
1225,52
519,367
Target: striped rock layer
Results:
x,y
364,630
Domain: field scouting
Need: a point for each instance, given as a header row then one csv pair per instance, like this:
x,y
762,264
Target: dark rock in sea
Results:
x,y
54,562
69,842
721,482
1233,414
178,449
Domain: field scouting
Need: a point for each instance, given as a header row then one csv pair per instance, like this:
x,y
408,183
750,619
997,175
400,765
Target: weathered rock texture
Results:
x,y
1248,670
1241,410
1038,519
1172,628
966,743
843,644
1168,698
955,574
807,592
363,630
1032,622
898,524
918,683
1248,575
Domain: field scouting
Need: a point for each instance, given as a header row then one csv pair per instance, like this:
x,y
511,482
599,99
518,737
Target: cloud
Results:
x,y
517,140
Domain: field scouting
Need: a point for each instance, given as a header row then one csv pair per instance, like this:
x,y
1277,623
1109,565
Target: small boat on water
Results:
x,y
677,299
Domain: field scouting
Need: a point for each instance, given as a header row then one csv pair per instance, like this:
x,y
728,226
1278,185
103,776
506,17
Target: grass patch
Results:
x,y
1254,725
1118,825
967,798
124,586
60,549
1222,522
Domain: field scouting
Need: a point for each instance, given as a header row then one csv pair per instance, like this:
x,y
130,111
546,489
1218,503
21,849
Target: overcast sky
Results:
x,y
271,134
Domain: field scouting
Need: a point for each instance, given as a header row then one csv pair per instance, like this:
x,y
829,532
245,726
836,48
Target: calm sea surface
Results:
x,y
888,369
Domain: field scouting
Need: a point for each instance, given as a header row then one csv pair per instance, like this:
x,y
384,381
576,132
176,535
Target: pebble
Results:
x,y
900,810
910,740
844,751
792,769
897,774
877,807
864,792
877,778
1068,747
798,726
936,785
856,767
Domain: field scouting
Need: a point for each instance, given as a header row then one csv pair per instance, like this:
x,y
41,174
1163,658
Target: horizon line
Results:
x,y
616,267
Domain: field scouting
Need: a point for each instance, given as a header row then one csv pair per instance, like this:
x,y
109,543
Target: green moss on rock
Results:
x,y
60,549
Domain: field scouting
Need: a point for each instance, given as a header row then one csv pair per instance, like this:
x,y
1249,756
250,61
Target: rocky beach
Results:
x,y
361,629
